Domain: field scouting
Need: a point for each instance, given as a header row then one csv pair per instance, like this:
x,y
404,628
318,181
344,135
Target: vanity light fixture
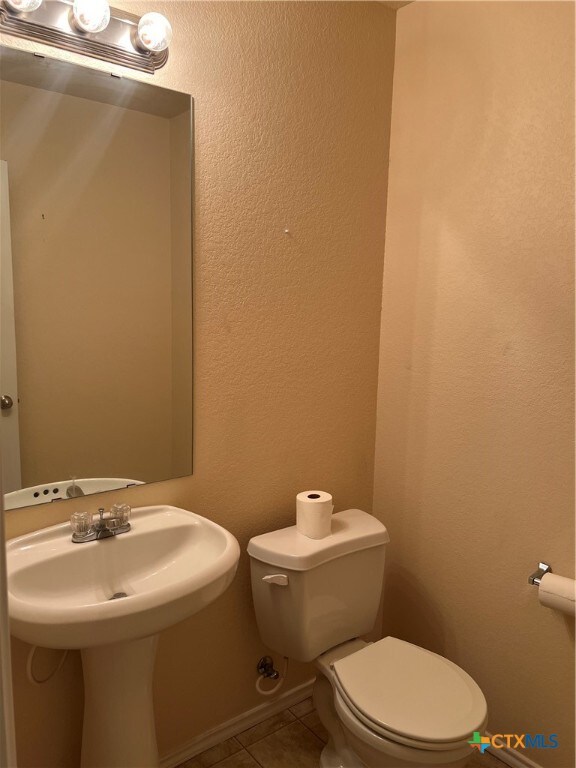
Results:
x,y
92,28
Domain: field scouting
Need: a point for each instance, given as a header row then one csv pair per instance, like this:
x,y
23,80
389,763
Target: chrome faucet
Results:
x,y
85,528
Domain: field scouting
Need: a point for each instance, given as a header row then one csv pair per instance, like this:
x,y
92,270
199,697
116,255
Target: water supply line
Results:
x,y
266,670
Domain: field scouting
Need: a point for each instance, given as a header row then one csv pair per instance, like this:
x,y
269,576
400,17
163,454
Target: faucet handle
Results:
x,y
122,512
81,523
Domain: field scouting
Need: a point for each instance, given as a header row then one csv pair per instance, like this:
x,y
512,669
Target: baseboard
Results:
x,y
512,757
236,725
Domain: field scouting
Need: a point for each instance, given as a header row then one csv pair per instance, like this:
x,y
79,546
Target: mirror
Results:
x,y
95,280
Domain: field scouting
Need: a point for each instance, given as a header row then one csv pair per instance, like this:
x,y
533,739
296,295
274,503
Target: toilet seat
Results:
x,y
364,729
408,695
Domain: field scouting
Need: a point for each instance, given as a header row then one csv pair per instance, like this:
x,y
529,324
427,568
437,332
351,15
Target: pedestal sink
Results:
x,y
110,598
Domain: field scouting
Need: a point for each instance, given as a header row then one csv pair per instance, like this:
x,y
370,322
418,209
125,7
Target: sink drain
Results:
x,y
118,595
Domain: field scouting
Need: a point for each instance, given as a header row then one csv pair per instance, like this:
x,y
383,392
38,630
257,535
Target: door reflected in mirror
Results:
x,y
95,279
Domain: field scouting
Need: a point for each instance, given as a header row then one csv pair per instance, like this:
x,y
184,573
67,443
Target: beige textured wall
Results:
x,y
292,110
474,460
93,283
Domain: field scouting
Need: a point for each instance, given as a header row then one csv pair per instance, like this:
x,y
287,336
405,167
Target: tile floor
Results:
x,y
486,760
293,738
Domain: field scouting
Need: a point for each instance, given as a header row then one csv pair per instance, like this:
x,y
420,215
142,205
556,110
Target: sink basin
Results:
x,y
171,564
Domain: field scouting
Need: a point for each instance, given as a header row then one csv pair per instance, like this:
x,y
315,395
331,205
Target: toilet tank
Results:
x,y
313,594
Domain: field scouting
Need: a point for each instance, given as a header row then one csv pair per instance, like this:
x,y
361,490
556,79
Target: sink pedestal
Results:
x,y
119,729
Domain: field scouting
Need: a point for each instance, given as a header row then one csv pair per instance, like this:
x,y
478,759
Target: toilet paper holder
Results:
x,y
536,577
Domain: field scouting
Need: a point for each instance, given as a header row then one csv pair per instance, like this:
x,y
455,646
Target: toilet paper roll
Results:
x,y
314,514
558,592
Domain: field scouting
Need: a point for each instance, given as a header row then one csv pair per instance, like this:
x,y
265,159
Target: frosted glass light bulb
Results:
x,y
91,15
24,6
154,32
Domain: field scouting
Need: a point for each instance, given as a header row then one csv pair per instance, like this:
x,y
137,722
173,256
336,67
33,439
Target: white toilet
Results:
x,y
386,704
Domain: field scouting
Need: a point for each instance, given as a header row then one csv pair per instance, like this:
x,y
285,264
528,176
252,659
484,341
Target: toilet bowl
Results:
x,y
386,704
400,705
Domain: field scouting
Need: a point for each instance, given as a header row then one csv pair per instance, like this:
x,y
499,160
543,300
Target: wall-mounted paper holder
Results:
x,y
536,577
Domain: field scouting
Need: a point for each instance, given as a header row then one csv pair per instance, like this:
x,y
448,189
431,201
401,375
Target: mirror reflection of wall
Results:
x,y
101,255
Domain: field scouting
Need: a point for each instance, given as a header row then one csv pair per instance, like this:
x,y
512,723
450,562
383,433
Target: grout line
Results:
x,y
254,758
270,734
321,741
311,731
300,720
294,720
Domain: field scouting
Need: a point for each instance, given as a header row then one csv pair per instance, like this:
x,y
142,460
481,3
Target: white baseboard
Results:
x,y
236,725
512,757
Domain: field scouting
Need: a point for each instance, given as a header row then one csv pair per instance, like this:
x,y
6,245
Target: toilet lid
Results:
x,y
402,689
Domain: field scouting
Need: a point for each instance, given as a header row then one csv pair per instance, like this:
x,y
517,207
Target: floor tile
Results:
x,y
265,728
294,746
303,707
215,755
484,761
239,759
312,721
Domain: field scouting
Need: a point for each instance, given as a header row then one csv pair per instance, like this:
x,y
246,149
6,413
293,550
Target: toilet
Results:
x,y
386,704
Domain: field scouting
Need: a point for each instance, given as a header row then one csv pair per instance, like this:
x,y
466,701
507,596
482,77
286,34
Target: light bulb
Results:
x,y
91,15
154,32
24,6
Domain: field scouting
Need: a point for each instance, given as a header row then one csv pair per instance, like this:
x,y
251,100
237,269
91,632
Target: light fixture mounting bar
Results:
x,y
51,24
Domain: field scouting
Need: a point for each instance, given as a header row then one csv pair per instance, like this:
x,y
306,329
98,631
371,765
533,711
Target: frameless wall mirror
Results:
x,y
95,280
